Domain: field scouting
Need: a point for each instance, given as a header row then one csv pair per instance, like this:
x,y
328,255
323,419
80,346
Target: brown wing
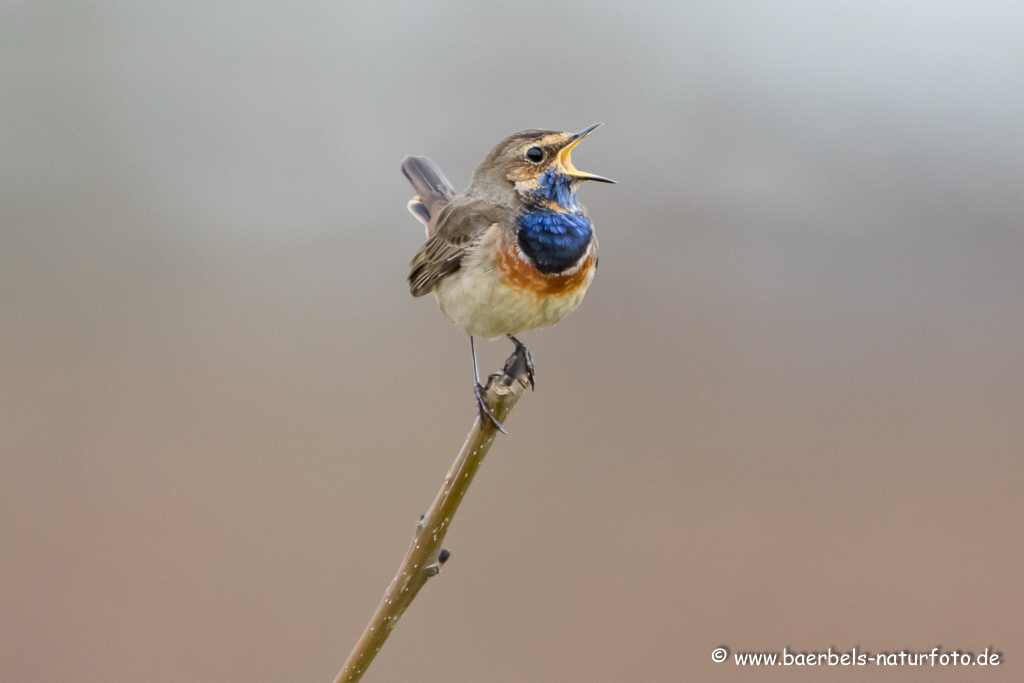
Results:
x,y
457,227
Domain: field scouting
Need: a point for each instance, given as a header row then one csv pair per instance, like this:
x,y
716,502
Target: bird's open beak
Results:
x,y
565,160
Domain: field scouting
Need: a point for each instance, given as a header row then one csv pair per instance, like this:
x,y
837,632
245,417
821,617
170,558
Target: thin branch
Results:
x,y
421,560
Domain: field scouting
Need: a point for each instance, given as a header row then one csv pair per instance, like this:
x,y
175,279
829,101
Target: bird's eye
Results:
x,y
535,154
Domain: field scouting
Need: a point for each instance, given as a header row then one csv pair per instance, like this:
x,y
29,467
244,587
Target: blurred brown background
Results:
x,y
789,412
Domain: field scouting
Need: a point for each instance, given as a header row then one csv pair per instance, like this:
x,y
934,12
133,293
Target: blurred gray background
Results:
x,y
790,412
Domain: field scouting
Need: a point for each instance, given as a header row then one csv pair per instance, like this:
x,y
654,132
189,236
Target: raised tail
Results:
x,y
433,191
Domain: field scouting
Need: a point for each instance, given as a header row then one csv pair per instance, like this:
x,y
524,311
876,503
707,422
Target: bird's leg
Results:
x,y
524,354
478,390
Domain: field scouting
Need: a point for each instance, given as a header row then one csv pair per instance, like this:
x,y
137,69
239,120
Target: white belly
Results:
x,y
478,299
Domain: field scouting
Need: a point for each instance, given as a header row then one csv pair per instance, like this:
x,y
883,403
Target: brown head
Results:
x,y
520,161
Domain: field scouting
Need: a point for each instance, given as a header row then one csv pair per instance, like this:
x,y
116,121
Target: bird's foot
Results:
x,y
520,355
485,412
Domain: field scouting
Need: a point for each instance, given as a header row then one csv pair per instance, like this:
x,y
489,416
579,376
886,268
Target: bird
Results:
x,y
515,251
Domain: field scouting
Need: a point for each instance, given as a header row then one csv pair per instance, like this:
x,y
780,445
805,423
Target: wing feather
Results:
x,y
458,226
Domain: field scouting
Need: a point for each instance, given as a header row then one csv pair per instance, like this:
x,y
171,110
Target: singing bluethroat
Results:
x,y
515,251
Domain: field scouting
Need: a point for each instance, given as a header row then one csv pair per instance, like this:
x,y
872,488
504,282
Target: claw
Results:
x,y
523,354
485,412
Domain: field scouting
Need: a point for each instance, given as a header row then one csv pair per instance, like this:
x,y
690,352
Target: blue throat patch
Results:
x,y
554,240
558,188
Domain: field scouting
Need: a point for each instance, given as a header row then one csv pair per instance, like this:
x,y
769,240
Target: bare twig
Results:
x,y
421,560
